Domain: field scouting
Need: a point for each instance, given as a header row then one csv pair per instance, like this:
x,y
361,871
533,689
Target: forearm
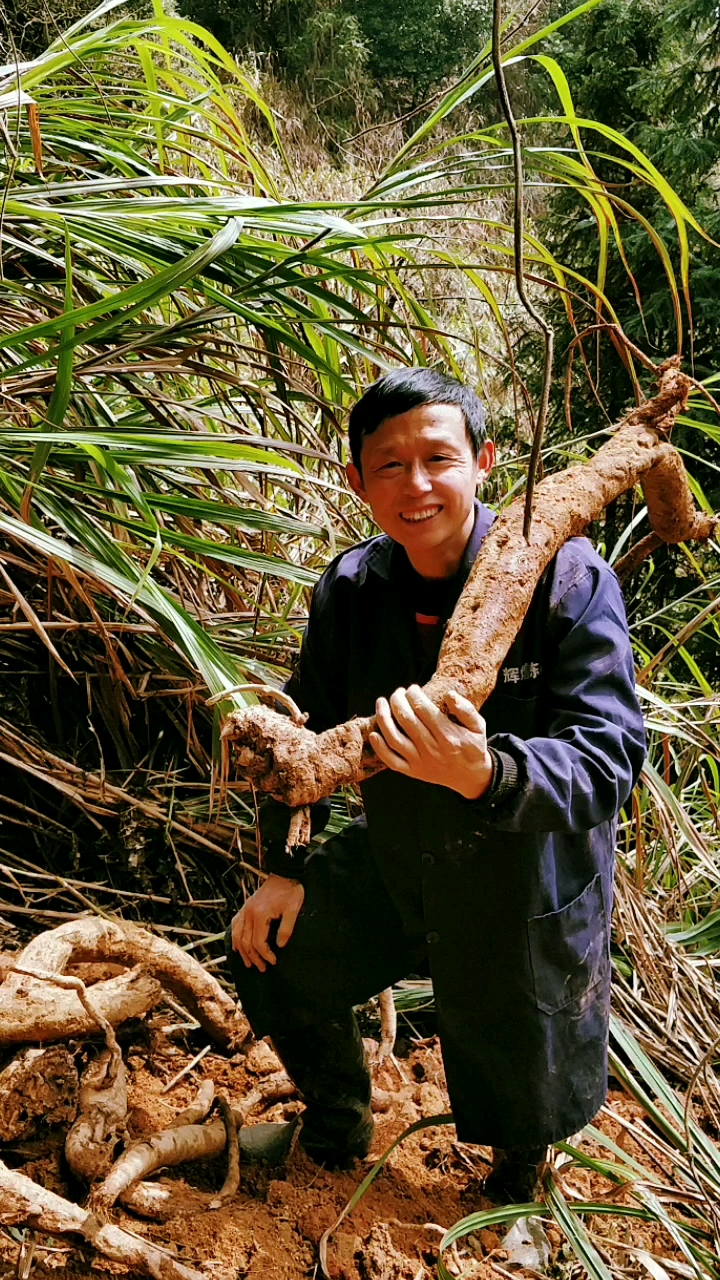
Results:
x,y
563,785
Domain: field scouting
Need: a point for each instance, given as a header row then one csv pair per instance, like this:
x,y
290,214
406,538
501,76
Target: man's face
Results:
x,y
419,477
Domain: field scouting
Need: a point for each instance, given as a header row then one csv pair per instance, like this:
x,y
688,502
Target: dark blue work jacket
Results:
x,y
514,899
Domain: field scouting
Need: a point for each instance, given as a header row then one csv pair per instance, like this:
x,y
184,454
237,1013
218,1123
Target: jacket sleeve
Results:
x,y
318,686
582,772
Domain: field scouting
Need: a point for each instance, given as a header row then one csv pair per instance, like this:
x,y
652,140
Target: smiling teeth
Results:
x,y
416,516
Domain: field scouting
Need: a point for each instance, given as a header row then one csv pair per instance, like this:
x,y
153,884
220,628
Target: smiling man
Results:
x,y
485,855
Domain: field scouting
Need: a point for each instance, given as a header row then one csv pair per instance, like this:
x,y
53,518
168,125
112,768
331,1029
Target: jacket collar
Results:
x,y
388,559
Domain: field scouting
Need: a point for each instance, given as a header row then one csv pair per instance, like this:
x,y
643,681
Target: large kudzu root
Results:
x,y
24,1203
32,1011
299,767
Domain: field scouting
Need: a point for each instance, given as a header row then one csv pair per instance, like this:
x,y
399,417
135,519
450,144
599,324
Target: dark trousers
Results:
x,y
348,944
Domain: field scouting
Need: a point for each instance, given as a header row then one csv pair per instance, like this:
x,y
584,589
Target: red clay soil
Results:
x,y
271,1230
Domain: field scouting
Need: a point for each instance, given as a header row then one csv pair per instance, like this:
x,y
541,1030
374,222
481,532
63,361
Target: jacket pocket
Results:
x,y
569,949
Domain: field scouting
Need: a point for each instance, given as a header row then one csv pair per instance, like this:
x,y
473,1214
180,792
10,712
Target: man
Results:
x,y
486,852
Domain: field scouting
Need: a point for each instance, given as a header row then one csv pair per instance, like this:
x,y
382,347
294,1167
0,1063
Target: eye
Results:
x,y
388,466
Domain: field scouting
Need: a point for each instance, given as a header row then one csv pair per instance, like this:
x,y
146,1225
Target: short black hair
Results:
x,y
405,389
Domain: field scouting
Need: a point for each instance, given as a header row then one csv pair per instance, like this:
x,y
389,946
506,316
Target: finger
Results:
x,y
240,936
394,737
465,712
404,714
246,951
388,757
430,716
288,922
236,930
259,941
253,959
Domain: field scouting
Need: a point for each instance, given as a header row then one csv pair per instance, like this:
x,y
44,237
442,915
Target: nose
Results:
x,y
417,480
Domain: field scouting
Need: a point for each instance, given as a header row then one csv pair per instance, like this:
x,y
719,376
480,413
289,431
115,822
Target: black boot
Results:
x,y
329,1067
515,1174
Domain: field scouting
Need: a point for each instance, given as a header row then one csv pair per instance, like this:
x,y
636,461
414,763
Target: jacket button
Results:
x,y
432,937
428,859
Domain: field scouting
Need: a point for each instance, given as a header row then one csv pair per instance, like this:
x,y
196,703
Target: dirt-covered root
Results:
x,y
232,1178
24,1203
161,1201
162,1150
39,1086
198,1109
388,1028
31,1010
277,1088
299,767
95,939
92,1142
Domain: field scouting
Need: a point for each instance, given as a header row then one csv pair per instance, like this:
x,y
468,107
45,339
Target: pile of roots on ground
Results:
x,y
128,1072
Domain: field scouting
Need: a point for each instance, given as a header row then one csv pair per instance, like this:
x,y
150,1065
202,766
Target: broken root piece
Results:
x,y
23,1203
388,1025
199,1109
39,1086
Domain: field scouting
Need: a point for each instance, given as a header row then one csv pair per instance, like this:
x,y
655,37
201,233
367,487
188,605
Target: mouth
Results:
x,y
420,517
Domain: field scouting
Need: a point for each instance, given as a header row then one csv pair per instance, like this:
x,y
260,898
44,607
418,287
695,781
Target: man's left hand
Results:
x,y
419,740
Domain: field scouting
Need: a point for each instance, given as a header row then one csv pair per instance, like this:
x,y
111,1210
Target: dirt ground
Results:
x,y
271,1229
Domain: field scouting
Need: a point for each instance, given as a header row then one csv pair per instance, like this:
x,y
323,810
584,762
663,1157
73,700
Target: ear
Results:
x,y
485,461
355,480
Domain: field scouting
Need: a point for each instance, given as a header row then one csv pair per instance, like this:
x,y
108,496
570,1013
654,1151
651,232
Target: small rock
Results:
x,y
490,1240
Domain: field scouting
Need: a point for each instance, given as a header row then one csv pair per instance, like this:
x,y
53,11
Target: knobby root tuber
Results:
x,y
300,768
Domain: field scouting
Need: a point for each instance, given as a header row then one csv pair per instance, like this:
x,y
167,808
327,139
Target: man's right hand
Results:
x,y
276,899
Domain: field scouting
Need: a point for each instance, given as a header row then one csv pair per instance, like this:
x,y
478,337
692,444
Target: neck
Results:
x,y
445,560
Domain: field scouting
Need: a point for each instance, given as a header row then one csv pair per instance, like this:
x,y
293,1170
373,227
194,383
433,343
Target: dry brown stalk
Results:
x,y
94,794
23,1202
299,767
673,1006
